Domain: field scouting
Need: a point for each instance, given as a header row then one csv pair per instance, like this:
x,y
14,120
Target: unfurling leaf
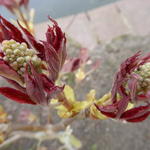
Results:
x,y
75,142
91,96
80,75
78,106
69,140
2,137
3,115
69,93
96,114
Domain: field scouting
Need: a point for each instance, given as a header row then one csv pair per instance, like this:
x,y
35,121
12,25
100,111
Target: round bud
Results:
x,y
18,55
12,41
28,58
24,45
5,42
29,52
38,61
8,51
22,69
17,52
14,46
24,64
11,59
19,72
20,60
12,56
14,65
5,58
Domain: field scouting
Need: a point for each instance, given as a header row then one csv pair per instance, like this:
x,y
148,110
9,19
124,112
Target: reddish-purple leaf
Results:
x,y
10,73
107,111
13,32
108,108
5,33
121,106
71,65
48,84
135,112
16,85
34,87
140,118
56,40
16,95
9,4
53,61
55,35
24,3
126,67
1,34
50,88
132,84
38,46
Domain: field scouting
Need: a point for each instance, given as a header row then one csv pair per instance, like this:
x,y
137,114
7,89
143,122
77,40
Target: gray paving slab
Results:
x,y
137,12
105,23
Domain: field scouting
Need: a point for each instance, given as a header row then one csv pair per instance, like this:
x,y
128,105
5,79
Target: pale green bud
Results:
x,y
5,42
8,51
22,69
24,45
28,58
17,52
18,55
24,64
11,59
14,46
20,60
30,52
12,41
5,58
14,65
12,56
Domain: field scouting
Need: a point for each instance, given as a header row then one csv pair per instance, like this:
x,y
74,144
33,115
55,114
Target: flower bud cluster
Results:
x,y
144,72
18,55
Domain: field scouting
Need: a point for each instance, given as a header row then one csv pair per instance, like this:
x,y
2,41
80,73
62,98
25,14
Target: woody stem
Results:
x,y
62,99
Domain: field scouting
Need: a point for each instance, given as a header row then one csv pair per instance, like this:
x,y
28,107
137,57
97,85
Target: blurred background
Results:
x,y
60,8
112,30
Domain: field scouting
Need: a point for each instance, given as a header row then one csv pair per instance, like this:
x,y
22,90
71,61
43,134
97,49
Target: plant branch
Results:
x,y
10,140
63,124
